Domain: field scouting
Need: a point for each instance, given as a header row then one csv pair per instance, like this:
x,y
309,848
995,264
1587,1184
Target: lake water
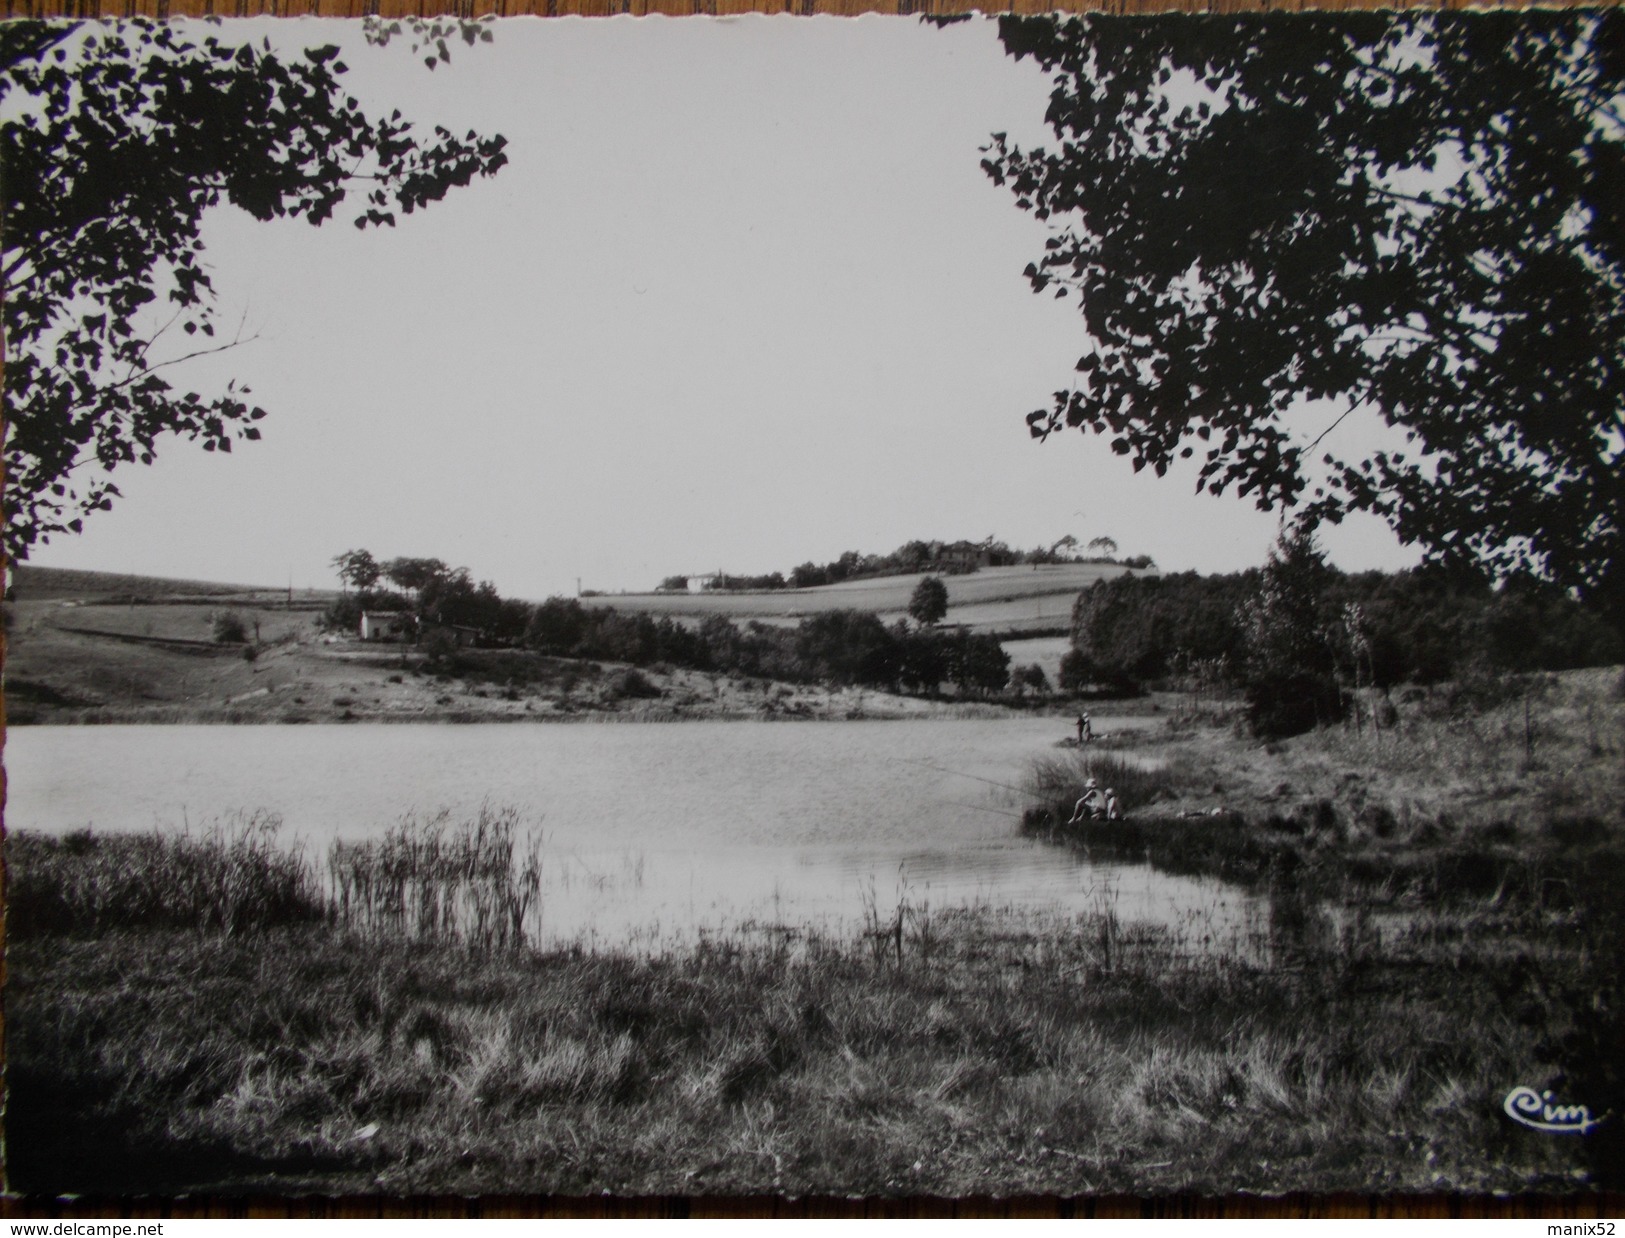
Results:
x,y
653,833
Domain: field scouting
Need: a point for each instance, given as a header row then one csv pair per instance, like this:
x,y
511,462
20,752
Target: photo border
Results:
x,y
1304,1206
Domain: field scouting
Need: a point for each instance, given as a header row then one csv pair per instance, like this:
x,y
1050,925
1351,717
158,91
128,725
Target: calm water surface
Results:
x,y
653,833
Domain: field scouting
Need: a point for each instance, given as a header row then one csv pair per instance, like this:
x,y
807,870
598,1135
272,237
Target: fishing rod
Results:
x,y
984,808
942,769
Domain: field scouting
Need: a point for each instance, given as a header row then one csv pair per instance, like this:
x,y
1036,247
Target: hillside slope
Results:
x,y
1023,600
110,648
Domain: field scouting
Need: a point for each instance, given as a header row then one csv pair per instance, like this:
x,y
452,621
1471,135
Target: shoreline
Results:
x,y
1419,966
807,706
298,686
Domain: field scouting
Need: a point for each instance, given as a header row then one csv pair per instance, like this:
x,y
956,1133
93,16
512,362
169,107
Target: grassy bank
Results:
x,y
1485,816
357,1034
1016,1057
1519,772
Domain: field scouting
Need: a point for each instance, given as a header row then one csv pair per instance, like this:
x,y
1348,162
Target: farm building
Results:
x,y
386,625
960,556
460,635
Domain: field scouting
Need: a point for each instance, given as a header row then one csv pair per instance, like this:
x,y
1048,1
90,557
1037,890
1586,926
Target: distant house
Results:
x,y
460,635
699,584
386,625
959,556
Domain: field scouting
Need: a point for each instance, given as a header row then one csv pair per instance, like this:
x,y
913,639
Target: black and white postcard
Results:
x,y
799,607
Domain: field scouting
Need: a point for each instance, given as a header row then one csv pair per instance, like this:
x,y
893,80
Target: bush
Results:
x,y
1290,704
1081,677
344,615
634,685
439,646
1031,676
930,601
229,628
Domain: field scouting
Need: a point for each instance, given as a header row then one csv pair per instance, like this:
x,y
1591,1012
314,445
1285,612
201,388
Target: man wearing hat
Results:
x,y
1090,805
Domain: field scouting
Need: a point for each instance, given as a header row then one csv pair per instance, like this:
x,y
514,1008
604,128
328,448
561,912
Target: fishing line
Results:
x,y
983,808
941,769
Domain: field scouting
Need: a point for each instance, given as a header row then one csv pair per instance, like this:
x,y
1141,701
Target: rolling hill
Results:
x,y
1025,600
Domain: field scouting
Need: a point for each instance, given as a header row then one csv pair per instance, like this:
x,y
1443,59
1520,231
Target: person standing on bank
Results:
x,y
1086,730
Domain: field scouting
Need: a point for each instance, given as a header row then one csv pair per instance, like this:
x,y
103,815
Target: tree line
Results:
x,y
843,647
1308,629
429,590
1485,325
947,558
839,647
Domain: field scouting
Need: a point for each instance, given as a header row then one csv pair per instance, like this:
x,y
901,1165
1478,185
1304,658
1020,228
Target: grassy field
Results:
x,y
54,675
101,648
1045,651
997,599
58,583
1006,1057
214,1014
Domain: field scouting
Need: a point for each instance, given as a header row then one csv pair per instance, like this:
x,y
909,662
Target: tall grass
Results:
x,y
885,931
1057,782
474,881
1027,1054
235,876
1403,988
1547,746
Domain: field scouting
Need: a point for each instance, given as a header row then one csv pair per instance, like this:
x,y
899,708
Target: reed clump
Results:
x,y
1057,782
431,879
476,881
235,876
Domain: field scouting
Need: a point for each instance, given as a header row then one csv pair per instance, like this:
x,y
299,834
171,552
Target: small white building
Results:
x,y
386,625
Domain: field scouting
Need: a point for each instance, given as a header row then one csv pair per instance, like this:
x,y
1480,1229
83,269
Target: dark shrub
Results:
x,y
1577,831
1377,820
1290,704
634,685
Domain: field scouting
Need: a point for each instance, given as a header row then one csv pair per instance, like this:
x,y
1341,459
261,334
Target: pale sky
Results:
x,y
743,297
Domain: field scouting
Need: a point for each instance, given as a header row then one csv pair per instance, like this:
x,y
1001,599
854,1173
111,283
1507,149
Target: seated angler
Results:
x,y
1090,806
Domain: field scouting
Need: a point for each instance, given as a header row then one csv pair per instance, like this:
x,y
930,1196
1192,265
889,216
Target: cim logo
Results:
x,y
1536,1111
